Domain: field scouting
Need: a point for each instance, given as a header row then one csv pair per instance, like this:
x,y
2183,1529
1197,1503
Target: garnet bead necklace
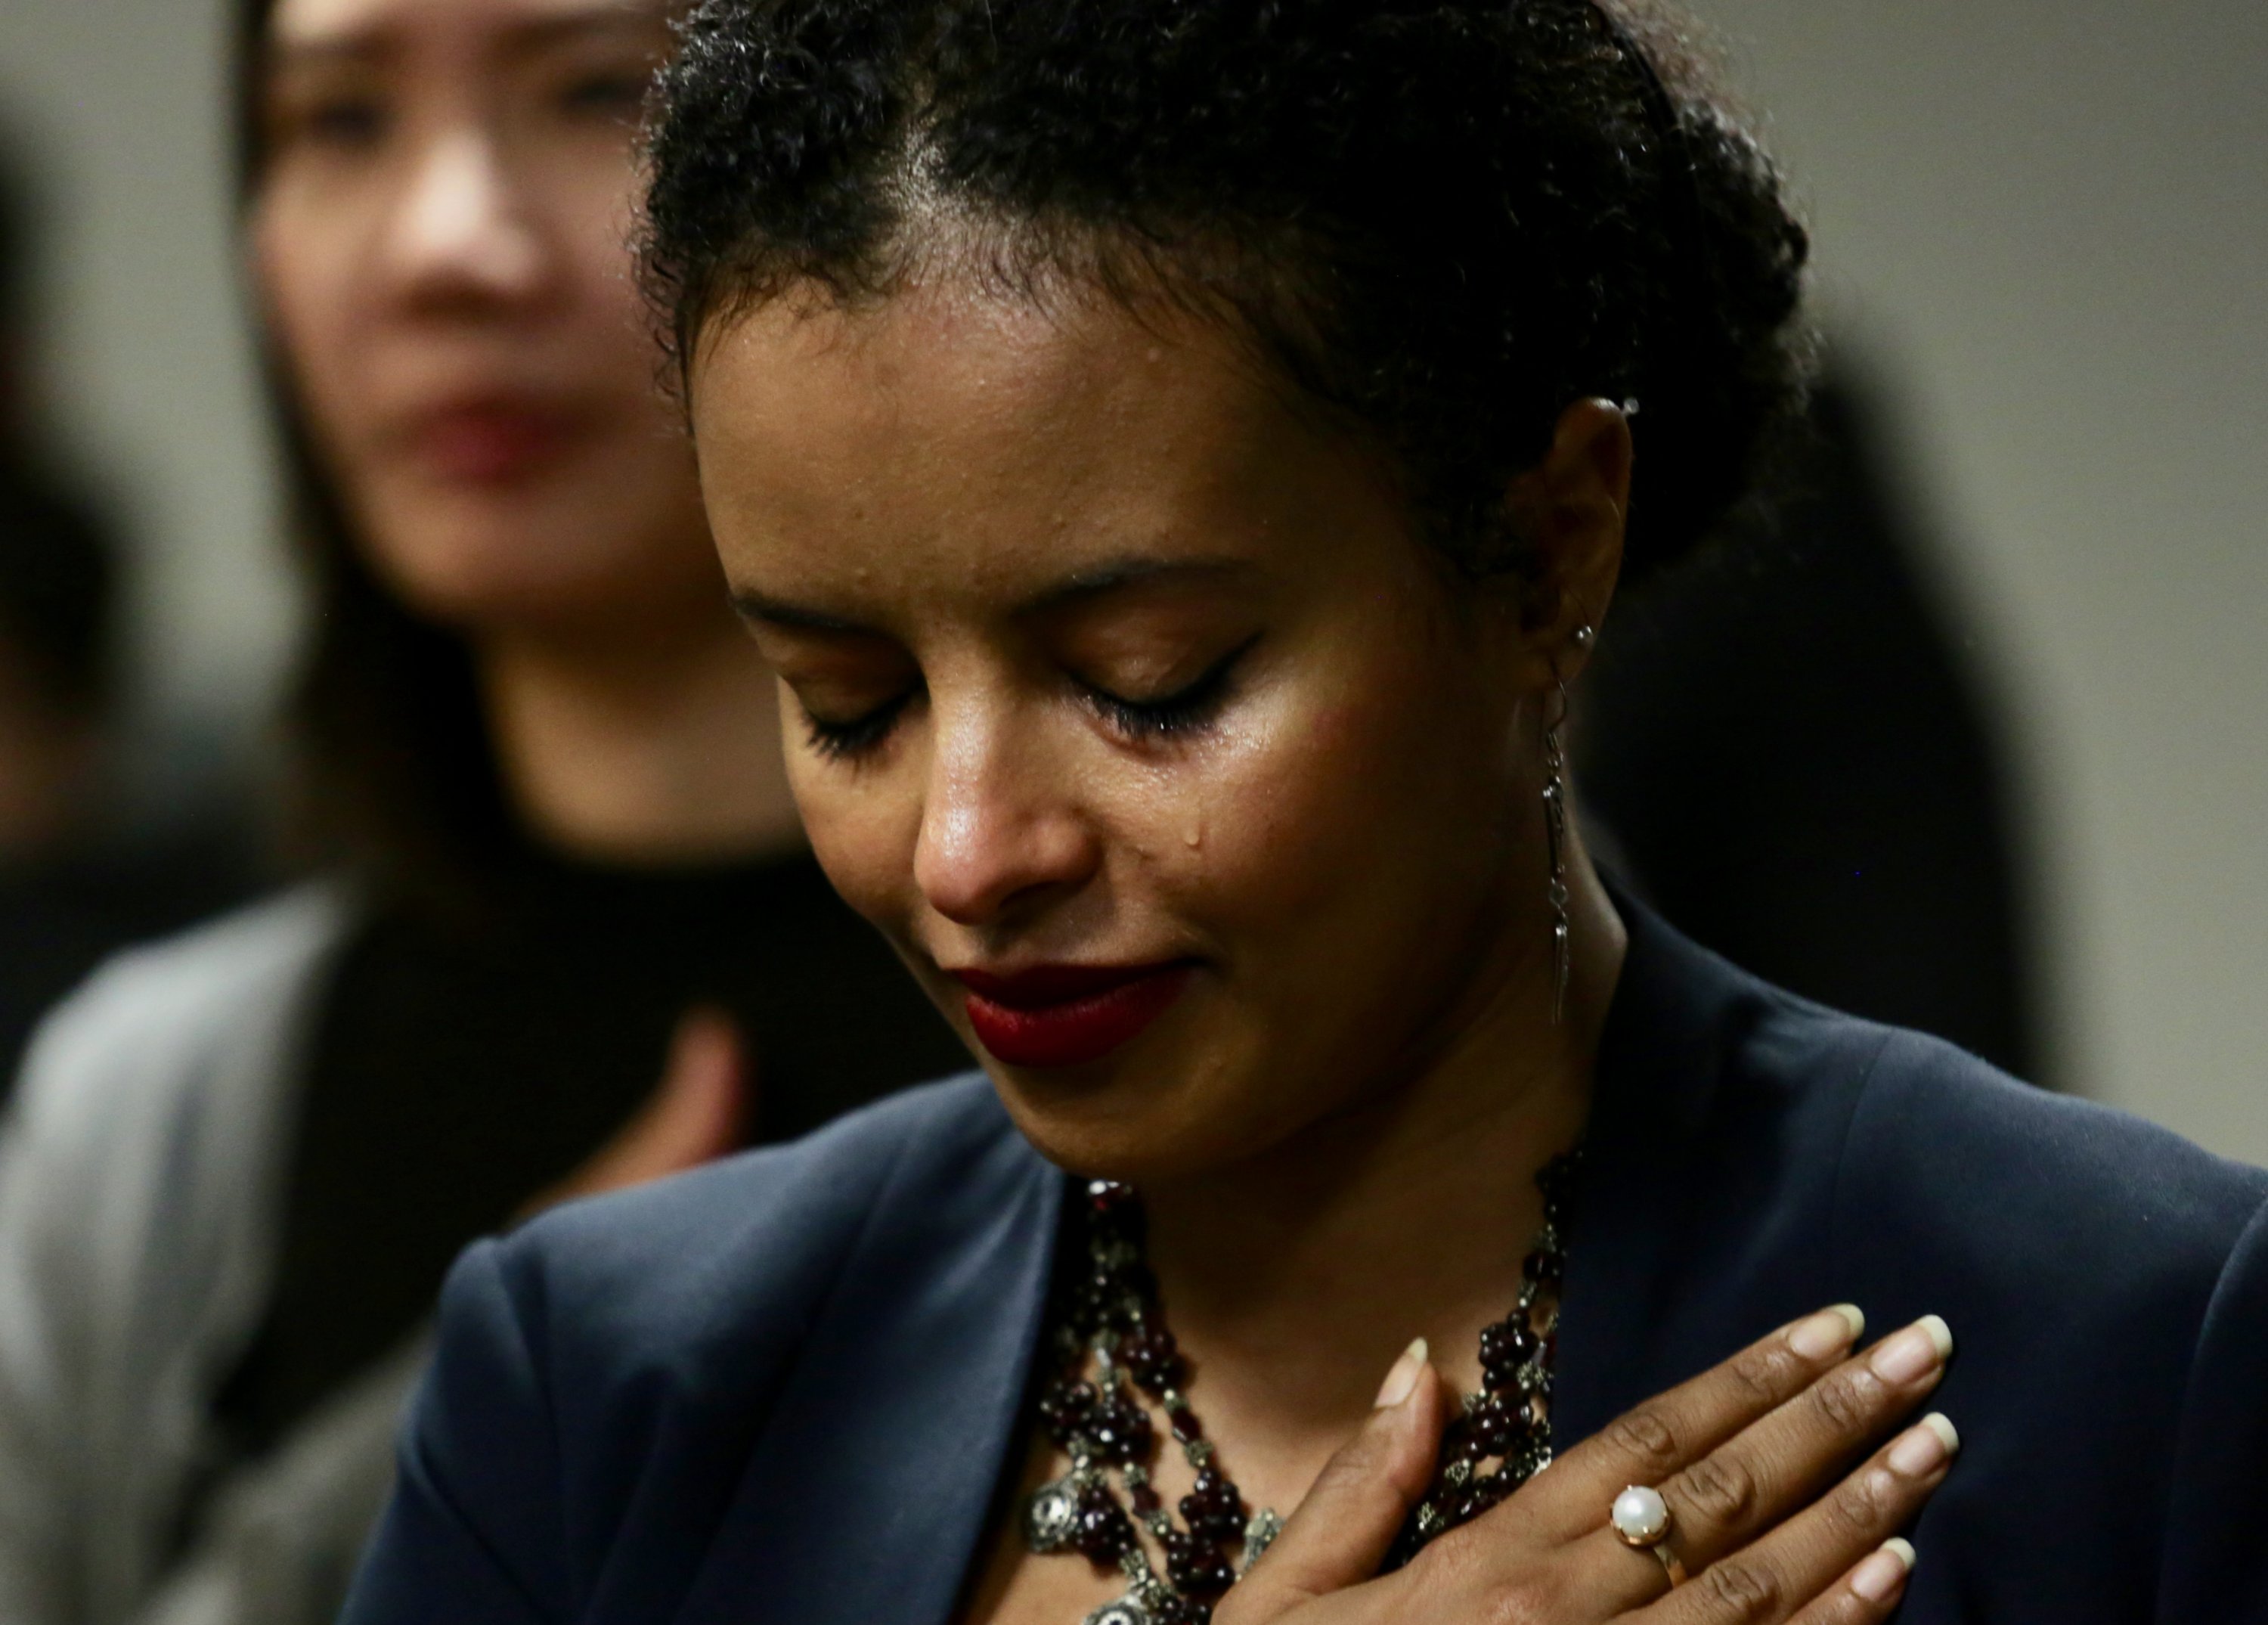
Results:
x,y
1111,1341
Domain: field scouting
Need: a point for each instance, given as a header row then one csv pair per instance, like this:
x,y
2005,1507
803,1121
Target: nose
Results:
x,y
462,232
999,837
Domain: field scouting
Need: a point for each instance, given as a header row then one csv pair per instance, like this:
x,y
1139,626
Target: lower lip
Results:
x,y
491,447
1077,1031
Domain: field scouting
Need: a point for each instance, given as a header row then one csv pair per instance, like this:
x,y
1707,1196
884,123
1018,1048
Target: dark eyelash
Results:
x,y
341,121
607,94
840,741
1184,711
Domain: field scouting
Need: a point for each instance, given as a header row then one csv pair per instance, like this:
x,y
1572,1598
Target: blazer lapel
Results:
x,y
1695,1228
1658,1066
866,1496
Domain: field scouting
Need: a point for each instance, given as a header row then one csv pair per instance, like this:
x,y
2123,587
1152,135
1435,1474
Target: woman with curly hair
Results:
x,y
1178,456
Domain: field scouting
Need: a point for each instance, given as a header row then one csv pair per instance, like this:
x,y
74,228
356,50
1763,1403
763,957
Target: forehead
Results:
x,y
958,381
946,442
375,24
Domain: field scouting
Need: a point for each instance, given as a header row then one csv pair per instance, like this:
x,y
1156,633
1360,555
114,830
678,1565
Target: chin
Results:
x,y
1129,1149
1147,1118
492,561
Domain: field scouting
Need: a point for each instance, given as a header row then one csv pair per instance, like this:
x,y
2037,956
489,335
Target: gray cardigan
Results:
x,y
140,1175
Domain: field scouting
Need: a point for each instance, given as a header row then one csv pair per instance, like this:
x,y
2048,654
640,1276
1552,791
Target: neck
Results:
x,y
1293,1280
661,745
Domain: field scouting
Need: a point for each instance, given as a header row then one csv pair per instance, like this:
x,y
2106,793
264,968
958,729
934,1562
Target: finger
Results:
x,y
1868,1592
1806,1559
1341,1532
1648,1444
1776,1467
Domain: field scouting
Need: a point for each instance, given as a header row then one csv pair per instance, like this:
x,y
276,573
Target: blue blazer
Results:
x,y
785,1389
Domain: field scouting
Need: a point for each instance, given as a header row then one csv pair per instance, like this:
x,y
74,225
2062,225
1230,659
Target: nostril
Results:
x,y
1000,829
979,894
461,228
974,871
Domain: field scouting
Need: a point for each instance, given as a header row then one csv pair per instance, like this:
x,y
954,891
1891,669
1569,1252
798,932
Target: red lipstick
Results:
x,y
490,441
1066,1014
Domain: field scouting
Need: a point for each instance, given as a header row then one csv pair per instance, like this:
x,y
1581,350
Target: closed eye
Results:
x,y
618,96
335,121
858,736
1187,710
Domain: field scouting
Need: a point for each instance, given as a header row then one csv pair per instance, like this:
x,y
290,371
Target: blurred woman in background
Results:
x,y
545,767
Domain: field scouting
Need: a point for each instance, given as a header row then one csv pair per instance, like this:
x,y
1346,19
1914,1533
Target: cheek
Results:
x,y
309,258
306,294
1305,818
863,826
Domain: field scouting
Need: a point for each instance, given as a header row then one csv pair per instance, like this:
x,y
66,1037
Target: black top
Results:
x,y
787,1387
460,1069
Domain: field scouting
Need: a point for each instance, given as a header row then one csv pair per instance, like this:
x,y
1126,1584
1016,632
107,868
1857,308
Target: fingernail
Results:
x,y
1830,1332
1920,1348
1402,1377
1884,1571
1925,1446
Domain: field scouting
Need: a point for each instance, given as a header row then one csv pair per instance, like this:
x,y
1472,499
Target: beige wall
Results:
x,y
122,103
2048,219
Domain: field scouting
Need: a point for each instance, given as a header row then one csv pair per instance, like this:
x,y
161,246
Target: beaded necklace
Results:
x,y
1109,1318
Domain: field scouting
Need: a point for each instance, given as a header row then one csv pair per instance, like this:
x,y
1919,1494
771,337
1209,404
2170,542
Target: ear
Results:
x,y
1570,509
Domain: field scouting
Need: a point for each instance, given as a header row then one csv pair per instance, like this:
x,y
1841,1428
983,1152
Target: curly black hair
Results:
x,y
1444,219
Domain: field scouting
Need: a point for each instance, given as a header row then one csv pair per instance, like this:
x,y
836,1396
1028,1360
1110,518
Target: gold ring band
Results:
x,y
1641,1520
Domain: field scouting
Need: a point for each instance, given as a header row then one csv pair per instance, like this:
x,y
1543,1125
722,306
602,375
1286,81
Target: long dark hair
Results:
x,y
392,770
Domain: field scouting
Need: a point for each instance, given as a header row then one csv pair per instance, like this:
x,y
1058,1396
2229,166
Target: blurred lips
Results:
x,y
493,440
1064,1016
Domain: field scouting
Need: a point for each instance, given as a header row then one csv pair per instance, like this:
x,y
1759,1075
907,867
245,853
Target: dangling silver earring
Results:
x,y
1555,835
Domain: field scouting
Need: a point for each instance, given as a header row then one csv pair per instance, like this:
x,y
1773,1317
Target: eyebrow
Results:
x,y
524,38
751,605
1114,574
1083,586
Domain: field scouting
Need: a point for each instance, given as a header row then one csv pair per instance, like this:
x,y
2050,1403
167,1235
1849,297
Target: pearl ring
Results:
x,y
1640,1520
